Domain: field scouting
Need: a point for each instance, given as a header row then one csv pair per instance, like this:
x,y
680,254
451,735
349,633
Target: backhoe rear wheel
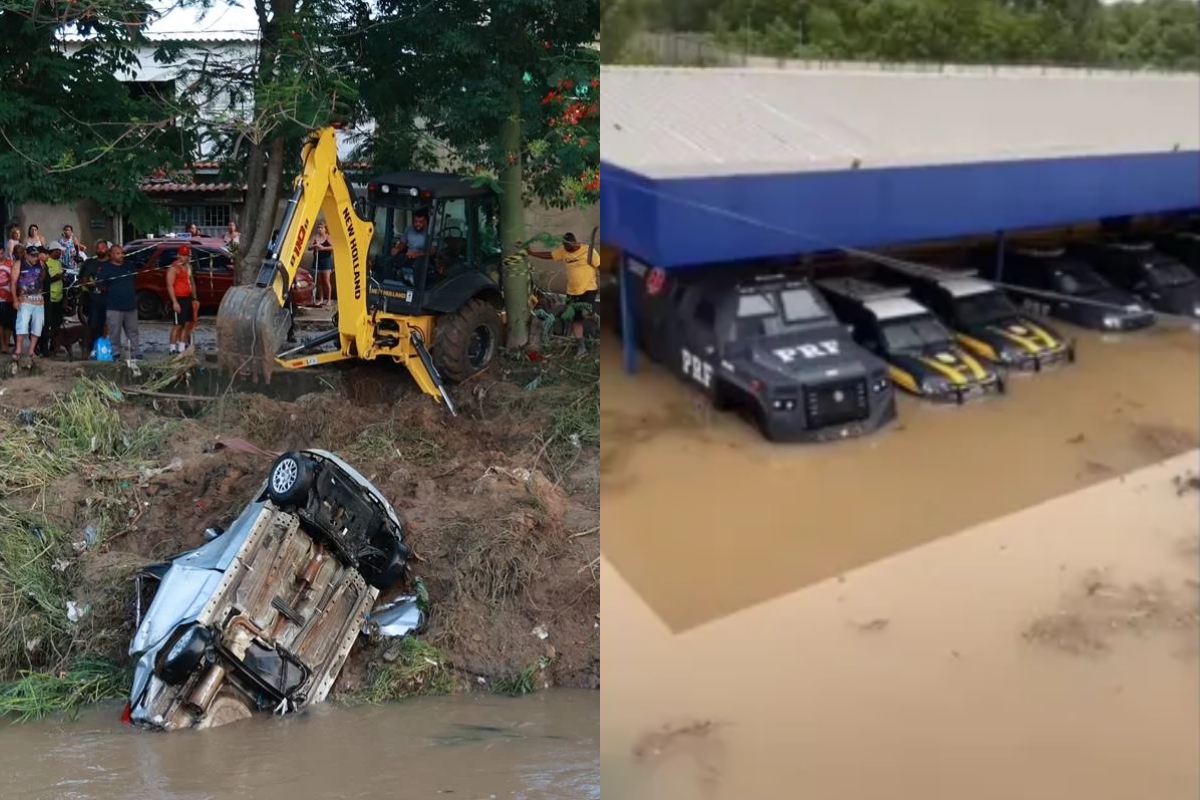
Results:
x,y
464,343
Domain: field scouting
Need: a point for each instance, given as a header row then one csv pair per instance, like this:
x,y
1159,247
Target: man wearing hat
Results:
x,y
52,260
582,265
29,285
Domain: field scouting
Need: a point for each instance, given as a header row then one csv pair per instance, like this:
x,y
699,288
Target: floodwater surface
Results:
x,y
542,747
703,518
1047,655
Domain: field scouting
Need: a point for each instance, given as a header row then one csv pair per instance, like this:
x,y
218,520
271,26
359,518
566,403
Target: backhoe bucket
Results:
x,y
251,329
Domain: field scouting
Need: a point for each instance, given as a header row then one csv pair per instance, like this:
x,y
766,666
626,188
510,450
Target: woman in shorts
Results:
x,y
323,261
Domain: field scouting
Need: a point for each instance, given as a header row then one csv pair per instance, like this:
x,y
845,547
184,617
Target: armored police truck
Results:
x,y
768,346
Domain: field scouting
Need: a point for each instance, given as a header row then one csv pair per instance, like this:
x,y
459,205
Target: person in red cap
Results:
x,y
181,288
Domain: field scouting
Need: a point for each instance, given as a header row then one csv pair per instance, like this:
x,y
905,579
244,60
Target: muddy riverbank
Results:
x,y
502,507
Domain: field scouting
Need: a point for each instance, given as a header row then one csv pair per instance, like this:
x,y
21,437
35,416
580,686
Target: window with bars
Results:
x,y
211,215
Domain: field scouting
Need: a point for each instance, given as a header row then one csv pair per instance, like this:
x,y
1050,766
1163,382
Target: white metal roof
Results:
x,y
963,287
893,307
677,122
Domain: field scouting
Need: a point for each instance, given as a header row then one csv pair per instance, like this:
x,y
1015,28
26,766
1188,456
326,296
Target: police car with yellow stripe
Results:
x,y
984,320
923,357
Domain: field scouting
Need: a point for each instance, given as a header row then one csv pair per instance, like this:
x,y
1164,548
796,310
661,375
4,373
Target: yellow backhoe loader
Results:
x,y
436,309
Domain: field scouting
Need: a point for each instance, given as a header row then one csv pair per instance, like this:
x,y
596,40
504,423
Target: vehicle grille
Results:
x,y
836,403
1052,359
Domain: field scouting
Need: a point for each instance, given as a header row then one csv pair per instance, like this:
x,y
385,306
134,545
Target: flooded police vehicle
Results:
x,y
985,321
769,346
923,356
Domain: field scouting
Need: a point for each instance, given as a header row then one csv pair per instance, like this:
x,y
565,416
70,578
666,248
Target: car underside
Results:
x,y
263,616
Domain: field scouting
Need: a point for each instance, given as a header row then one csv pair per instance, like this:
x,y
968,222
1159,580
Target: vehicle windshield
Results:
x,y
913,333
1076,279
774,313
984,308
1168,273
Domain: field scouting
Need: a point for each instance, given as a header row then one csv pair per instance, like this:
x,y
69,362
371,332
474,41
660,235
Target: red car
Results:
x,y
212,266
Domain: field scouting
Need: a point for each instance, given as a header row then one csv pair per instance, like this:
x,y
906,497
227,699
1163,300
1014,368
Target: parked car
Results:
x,y
1048,282
769,347
212,265
1183,245
1136,266
263,616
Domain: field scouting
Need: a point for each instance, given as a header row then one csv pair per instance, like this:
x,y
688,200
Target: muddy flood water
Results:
x,y
704,518
995,602
542,747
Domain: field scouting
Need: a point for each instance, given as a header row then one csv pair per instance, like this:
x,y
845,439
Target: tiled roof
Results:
x,y
663,122
169,187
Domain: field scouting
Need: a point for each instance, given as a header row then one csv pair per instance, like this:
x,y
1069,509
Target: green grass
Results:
x,y
418,670
520,683
389,440
82,425
35,632
87,680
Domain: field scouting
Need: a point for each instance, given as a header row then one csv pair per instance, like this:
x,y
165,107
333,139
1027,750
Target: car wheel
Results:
x,y
292,478
149,307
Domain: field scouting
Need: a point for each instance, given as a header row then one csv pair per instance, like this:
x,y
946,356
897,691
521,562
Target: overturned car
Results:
x,y
263,616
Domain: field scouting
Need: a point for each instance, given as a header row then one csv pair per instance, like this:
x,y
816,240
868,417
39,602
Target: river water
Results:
x,y
542,747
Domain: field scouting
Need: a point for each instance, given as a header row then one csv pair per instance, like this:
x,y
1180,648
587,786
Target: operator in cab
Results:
x,y
582,265
410,247
416,239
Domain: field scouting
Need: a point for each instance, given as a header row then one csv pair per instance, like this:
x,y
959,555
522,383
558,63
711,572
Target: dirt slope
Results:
x,y
494,500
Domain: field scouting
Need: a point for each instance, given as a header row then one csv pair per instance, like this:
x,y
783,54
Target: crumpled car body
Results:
x,y
263,616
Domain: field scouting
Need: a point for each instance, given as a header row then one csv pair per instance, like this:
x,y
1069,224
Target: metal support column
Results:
x,y
628,316
999,256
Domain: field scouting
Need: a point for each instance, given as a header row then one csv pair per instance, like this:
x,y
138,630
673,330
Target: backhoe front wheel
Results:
x,y
464,343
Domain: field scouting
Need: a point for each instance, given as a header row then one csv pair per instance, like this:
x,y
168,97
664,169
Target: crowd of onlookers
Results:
x,y
33,286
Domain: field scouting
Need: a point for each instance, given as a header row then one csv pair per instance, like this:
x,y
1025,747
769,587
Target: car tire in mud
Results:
x,y
149,307
464,343
291,479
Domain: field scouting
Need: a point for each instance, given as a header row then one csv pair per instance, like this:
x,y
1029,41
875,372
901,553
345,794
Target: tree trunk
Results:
x,y
512,226
268,207
254,193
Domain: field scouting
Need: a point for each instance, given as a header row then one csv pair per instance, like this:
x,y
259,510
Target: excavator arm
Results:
x,y
253,321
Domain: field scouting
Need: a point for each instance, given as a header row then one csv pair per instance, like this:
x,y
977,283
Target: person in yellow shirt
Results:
x,y
582,265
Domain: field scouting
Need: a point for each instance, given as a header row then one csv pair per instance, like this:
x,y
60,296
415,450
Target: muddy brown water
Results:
x,y
1047,655
703,518
541,747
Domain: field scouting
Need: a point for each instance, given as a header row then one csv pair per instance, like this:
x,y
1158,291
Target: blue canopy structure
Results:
x,y
703,166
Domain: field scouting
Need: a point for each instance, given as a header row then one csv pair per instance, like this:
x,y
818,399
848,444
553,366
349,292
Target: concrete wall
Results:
x,y
51,218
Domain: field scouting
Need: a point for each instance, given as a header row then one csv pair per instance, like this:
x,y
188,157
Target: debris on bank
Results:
x,y
105,481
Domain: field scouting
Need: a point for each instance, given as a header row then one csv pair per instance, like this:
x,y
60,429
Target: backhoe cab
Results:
x,y
413,266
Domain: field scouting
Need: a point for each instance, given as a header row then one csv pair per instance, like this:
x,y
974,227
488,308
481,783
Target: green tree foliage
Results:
x,y
1159,34
69,127
619,21
507,90
259,108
